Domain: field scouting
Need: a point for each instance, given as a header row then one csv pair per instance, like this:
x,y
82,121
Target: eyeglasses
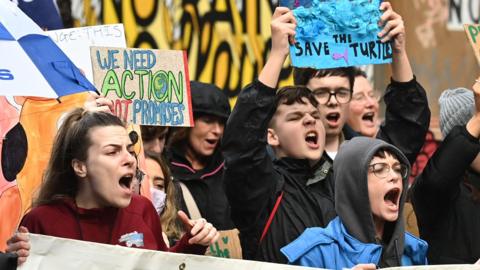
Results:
x,y
323,95
362,97
381,170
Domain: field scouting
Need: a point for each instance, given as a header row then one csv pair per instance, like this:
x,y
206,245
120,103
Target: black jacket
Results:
x,y
206,186
254,181
448,218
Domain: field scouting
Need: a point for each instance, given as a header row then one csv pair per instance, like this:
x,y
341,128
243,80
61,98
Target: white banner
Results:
x,y
462,12
52,253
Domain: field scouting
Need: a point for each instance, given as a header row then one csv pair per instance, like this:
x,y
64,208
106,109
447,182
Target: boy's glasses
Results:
x,y
381,170
323,95
362,97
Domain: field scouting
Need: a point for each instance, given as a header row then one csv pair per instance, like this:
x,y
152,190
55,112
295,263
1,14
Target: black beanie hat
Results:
x,y
209,99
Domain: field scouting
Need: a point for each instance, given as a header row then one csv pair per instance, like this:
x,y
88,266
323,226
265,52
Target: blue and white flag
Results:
x,y
31,63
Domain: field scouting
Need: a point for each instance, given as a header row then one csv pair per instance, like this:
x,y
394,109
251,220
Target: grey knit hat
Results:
x,y
457,106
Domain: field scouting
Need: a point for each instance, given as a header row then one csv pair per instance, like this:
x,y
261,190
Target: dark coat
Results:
x,y
254,181
448,218
206,186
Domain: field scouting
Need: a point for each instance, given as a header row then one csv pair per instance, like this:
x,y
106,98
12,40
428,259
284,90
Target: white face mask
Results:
x,y
158,198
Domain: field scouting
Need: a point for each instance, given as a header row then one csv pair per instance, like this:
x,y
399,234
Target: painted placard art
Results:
x,y
148,87
473,35
337,33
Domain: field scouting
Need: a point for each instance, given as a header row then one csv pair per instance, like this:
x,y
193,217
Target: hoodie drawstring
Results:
x,y
396,252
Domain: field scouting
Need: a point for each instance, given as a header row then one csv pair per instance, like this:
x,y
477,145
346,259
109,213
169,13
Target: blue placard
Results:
x,y
337,33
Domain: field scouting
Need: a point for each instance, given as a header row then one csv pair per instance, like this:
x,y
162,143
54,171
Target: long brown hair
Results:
x,y
168,218
71,142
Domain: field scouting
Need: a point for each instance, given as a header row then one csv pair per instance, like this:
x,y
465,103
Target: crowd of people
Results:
x,y
305,174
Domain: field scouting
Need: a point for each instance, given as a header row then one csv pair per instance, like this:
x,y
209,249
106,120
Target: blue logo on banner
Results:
x,y
6,75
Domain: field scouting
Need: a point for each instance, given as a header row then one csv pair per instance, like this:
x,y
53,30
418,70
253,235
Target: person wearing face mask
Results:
x,y
163,196
197,166
446,196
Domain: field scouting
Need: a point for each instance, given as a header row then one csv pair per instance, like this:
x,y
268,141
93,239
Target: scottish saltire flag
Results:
x,y
31,64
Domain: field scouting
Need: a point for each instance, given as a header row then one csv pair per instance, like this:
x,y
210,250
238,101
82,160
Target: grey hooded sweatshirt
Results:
x,y
351,196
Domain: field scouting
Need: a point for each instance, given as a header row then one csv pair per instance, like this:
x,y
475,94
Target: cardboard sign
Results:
x,y
473,34
337,33
76,42
148,87
53,253
227,246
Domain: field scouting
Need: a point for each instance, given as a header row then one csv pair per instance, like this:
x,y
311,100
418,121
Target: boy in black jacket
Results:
x,y
271,201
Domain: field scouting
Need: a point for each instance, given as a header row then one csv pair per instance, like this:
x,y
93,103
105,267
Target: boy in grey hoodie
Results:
x,y
370,183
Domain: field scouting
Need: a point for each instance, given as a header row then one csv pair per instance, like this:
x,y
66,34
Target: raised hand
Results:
x,y
476,94
283,30
393,28
97,103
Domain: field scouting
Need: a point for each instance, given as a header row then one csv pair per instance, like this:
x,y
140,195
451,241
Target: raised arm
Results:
x,y
251,182
407,115
439,181
394,32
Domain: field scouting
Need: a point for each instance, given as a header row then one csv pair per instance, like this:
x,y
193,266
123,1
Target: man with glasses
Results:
x,y
371,181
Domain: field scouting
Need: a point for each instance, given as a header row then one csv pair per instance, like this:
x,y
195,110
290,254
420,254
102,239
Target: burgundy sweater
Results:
x,y
106,225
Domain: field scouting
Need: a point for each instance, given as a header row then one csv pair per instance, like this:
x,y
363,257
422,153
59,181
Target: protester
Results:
x,y
407,115
266,195
153,138
86,190
164,196
195,159
371,181
363,107
446,196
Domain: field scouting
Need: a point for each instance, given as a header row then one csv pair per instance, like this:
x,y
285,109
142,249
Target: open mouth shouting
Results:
x,y
125,181
332,119
368,118
392,198
312,139
212,142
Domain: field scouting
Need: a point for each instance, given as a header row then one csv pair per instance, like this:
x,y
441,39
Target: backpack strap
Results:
x,y
190,202
270,218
